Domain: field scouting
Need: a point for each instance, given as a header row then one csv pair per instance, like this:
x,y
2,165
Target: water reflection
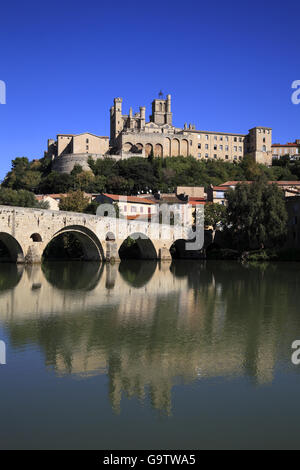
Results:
x,y
149,326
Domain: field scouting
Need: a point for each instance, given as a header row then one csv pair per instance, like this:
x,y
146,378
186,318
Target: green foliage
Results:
x,y
75,201
64,247
56,183
214,215
138,174
257,214
20,198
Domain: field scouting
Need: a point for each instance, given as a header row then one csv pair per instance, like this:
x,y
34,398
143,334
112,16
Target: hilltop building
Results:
x,y
131,136
291,148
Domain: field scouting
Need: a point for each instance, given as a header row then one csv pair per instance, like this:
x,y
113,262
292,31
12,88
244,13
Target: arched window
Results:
x,y
36,237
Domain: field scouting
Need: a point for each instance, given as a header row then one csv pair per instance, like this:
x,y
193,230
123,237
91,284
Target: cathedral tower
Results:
x,y
161,111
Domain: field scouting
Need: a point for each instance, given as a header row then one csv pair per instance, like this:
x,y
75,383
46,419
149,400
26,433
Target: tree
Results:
x,y
215,215
30,180
77,169
75,201
119,185
56,183
84,180
20,198
257,214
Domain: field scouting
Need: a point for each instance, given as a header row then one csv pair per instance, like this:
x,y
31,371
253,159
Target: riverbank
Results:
x,y
253,256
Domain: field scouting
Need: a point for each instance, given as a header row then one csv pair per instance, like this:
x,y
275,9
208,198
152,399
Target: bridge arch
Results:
x,y
90,244
137,246
14,250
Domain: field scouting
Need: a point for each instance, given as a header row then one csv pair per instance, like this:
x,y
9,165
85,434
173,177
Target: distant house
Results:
x,y
130,207
217,194
185,196
291,148
54,199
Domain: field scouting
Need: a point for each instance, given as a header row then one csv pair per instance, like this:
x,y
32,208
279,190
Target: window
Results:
x,y
235,139
87,141
125,209
216,138
206,137
199,155
226,157
206,155
264,148
240,149
226,138
206,146
221,137
226,148
141,209
199,146
215,147
133,209
240,139
264,140
235,157
235,148
191,142
221,147
215,155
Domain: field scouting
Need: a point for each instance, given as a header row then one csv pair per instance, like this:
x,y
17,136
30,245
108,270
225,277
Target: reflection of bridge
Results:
x,y
27,232
178,322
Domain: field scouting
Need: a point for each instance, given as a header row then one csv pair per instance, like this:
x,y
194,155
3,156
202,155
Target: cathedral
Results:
x,y
132,136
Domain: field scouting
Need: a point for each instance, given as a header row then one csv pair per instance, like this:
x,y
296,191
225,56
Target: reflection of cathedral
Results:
x,y
148,325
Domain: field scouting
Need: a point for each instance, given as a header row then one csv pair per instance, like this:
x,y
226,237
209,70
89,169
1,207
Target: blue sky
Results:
x,y
228,65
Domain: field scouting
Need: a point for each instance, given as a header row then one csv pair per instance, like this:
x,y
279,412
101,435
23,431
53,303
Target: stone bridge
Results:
x,y
27,232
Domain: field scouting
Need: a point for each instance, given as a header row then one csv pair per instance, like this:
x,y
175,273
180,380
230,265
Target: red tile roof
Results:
x,y
286,145
228,184
135,199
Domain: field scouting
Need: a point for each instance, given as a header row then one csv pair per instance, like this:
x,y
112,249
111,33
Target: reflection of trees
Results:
x,y
231,320
137,273
10,275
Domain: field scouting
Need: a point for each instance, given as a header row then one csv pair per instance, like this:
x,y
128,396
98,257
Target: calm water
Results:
x,y
143,355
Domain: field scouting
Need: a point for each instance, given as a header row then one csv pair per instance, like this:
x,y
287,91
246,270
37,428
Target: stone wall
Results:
x,y
27,232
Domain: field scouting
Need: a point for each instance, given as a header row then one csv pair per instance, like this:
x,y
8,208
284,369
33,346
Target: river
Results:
x,y
147,355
